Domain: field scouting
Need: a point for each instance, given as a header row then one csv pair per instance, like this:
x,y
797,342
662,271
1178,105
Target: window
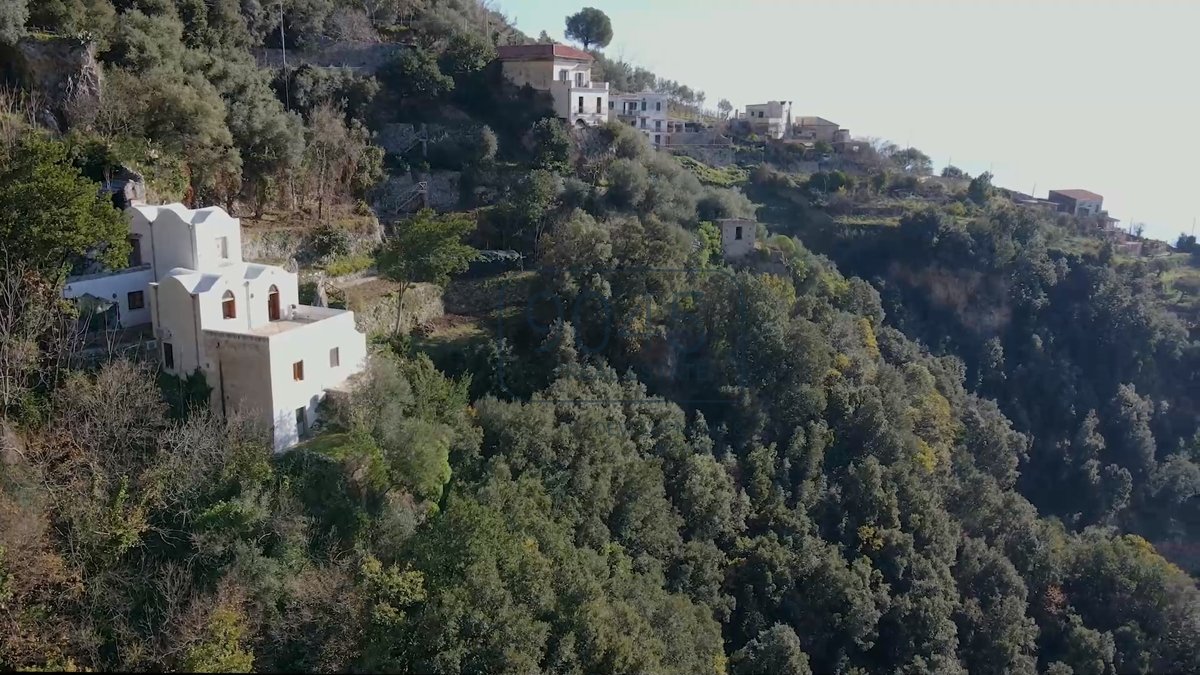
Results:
x,y
737,233
136,300
658,105
643,122
135,251
610,105
298,371
562,75
658,125
228,306
335,358
599,105
643,104
168,356
580,104
223,247
656,139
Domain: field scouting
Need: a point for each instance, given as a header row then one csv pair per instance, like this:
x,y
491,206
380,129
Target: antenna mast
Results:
x,y
287,97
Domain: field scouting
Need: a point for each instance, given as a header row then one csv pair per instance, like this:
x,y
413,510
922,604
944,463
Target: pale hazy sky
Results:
x,y
1102,95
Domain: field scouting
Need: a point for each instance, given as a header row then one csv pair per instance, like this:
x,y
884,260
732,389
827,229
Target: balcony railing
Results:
x,y
585,87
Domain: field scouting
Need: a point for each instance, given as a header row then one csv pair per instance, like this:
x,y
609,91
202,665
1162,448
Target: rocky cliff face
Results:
x,y
64,74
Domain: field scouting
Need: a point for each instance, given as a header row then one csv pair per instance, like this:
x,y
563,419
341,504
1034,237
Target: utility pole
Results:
x,y
287,98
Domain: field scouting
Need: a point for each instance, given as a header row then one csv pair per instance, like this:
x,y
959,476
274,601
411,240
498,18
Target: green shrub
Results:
x,y
327,242
349,264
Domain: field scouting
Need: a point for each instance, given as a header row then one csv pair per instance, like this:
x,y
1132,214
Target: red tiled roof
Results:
x,y
541,52
1080,195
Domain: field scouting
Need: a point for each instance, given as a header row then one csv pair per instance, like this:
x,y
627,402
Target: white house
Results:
x,y
240,324
646,112
772,118
565,72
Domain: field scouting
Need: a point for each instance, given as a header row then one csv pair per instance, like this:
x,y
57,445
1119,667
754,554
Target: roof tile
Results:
x,y
541,52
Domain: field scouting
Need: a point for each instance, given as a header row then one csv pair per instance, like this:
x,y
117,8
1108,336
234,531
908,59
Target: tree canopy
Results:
x,y
590,26
425,248
53,217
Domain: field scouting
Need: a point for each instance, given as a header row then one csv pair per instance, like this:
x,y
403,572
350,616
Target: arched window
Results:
x,y
273,303
228,306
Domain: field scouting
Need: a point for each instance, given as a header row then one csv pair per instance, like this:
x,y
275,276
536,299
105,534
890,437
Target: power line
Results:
x,y
287,98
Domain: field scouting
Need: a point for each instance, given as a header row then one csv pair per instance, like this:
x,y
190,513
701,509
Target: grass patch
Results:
x,y
476,297
727,177
453,343
349,264
868,221
1078,245
328,443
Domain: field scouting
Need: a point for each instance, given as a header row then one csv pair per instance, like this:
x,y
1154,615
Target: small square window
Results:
x,y
298,371
168,356
136,300
335,358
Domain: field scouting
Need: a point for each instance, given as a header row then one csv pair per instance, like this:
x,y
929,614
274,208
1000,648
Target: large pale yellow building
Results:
x,y
565,72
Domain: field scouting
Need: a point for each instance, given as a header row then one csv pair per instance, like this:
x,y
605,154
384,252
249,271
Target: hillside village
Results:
x,y
384,337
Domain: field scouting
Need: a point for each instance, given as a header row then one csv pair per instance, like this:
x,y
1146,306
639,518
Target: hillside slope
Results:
x,y
631,455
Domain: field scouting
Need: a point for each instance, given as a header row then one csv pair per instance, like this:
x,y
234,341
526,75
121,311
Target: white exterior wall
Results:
x,y
208,245
165,243
595,103
172,236
251,299
176,315
562,78
773,120
311,344
653,121
117,286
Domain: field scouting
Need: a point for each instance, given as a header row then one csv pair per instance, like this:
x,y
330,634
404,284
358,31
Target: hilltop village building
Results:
x,y
647,112
240,324
737,237
1077,202
565,72
773,118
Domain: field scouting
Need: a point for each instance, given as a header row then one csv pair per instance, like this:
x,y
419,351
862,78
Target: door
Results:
x,y
301,422
273,304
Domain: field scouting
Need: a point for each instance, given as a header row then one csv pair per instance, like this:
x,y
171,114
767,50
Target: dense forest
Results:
x,y
947,445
